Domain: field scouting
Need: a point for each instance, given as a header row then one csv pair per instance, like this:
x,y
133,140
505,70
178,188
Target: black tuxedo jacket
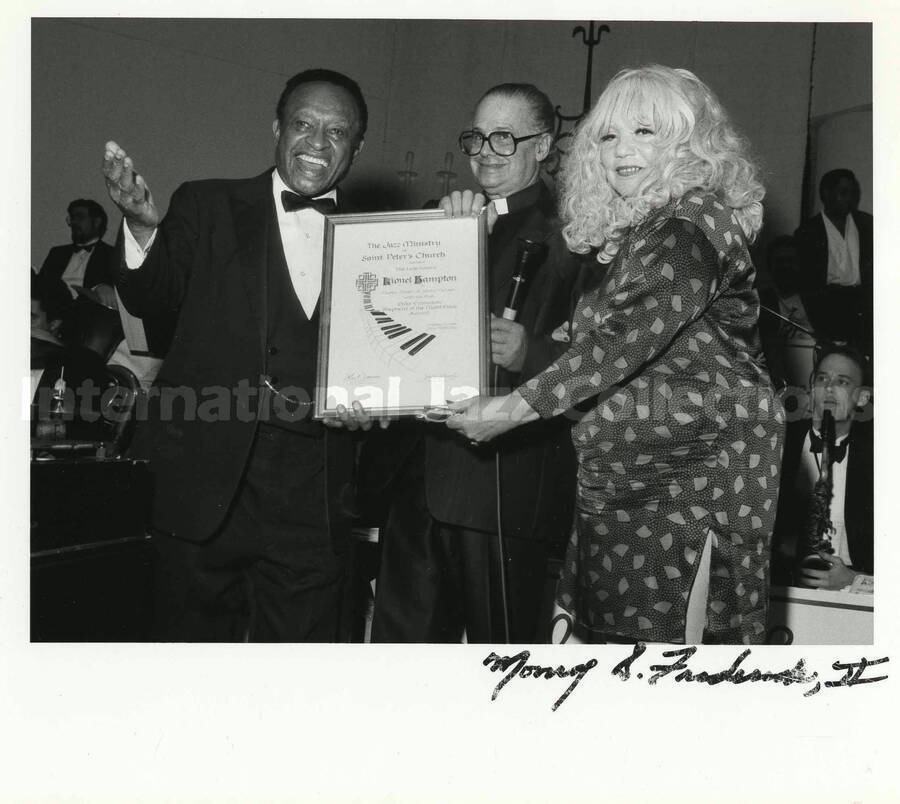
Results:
x,y
100,266
859,508
835,311
537,459
210,263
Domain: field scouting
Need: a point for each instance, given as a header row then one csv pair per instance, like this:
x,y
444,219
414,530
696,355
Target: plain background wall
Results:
x,y
841,108
195,98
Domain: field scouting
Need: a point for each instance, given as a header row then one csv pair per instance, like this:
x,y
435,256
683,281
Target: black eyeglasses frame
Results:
x,y
486,138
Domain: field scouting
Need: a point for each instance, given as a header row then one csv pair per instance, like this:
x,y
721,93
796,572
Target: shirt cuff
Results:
x,y
134,254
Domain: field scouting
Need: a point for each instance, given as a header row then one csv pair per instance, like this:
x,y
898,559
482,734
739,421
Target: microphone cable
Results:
x,y
532,254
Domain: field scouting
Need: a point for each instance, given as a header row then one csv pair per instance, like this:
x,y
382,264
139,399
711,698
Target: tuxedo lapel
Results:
x,y
253,213
57,261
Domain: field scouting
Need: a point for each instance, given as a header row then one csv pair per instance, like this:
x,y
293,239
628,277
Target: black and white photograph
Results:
x,y
330,497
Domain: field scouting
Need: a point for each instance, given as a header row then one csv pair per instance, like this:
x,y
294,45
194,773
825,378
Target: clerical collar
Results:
x,y
278,186
517,201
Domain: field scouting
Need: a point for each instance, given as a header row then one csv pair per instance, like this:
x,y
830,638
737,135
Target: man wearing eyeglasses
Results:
x,y
441,575
251,512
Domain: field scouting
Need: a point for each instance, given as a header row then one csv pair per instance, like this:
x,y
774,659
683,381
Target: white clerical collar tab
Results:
x,y
501,206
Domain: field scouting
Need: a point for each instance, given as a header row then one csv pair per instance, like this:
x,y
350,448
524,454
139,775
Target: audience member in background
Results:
x,y
840,382
86,268
440,562
788,348
82,369
835,250
87,261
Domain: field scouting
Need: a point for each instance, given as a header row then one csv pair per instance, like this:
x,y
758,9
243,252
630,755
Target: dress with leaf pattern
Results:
x,y
682,439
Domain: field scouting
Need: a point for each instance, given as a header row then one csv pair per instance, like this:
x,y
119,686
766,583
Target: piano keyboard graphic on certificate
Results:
x,y
393,339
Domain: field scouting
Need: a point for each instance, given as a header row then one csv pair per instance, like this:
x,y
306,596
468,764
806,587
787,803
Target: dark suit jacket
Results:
x,y
99,270
537,460
834,311
209,261
859,508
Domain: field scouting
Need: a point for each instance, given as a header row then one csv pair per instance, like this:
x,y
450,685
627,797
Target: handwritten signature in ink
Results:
x,y
516,666
677,668
736,674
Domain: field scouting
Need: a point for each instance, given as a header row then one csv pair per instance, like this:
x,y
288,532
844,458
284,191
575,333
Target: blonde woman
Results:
x,y
677,427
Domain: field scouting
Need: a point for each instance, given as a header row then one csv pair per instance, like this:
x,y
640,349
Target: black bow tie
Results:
x,y
88,248
815,446
292,202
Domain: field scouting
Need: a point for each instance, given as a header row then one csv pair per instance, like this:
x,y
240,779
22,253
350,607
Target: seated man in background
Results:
x,y
87,261
840,383
85,266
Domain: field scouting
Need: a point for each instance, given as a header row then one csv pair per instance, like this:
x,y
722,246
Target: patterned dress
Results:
x,y
682,440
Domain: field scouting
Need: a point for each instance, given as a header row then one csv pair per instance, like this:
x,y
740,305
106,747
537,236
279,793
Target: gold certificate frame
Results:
x,y
405,321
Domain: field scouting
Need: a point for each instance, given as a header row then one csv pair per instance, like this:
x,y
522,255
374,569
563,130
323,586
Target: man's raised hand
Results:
x,y
129,192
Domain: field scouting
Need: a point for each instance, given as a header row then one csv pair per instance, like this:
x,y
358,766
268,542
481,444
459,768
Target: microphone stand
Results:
x,y
531,255
501,548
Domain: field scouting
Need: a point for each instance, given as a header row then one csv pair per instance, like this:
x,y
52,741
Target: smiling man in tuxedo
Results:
x,y
252,500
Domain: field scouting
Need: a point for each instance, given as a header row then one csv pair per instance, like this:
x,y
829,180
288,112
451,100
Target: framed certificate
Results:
x,y
405,321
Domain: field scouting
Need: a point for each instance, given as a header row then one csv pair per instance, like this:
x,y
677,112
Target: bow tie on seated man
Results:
x,y
840,446
292,202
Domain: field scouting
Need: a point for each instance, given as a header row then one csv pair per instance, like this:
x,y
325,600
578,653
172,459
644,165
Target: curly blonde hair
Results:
x,y
701,149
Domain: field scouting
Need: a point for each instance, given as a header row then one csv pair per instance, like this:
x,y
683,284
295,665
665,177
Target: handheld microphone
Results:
x,y
531,254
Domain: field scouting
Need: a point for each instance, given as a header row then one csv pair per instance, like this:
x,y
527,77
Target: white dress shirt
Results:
x,y
303,239
843,253
73,276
